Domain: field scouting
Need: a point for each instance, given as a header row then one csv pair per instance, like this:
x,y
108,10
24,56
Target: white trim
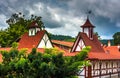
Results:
x,y
75,44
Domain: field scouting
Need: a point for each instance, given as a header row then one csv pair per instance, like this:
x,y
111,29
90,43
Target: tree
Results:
x,y
50,64
96,33
116,38
61,37
18,25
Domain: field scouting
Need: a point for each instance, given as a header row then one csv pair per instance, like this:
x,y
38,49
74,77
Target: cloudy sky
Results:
x,y
66,16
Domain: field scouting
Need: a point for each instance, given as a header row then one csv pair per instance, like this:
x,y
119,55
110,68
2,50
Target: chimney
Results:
x,y
119,47
109,43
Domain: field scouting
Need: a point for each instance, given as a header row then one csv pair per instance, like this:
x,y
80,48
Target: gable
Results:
x,y
80,45
27,41
95,44
45,42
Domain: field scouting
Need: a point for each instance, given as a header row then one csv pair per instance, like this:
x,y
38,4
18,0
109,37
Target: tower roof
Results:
x,y
33,25
87,24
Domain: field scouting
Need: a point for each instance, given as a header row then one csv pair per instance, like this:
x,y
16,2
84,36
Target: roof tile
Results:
x,y
27,41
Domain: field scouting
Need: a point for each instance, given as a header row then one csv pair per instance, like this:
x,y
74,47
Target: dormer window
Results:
x,y
32,32
33,28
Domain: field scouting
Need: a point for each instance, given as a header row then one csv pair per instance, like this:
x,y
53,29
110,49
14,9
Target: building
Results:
x,y
36,37
105,60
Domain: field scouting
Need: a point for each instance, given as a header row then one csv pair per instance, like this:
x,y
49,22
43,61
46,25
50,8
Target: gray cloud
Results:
x,y
67,14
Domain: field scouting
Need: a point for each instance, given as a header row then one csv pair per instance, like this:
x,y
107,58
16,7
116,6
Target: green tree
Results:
x,y
62,37
96,33
18,25
116,38
50,64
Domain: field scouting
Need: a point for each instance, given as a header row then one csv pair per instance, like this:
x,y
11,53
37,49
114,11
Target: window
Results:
x,y
91,32
31,32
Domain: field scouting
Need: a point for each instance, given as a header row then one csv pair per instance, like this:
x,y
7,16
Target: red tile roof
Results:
x,y
64,43
95,43
6,49
65,52
27,41
112,50
113,53
102,56
87,24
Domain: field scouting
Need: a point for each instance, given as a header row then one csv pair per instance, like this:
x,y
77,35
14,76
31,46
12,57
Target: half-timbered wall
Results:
x,y
45,42
80,45
103,69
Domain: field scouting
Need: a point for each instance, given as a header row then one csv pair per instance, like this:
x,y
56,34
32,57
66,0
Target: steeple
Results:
x,y
87,28
33,28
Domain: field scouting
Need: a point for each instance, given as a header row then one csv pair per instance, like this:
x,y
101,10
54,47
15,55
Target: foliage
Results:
x,y
14,45
105,41
116,38
18,25
50,64
96,33
61,37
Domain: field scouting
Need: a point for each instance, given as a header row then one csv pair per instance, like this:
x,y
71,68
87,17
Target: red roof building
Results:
x,y
104,60
35,38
